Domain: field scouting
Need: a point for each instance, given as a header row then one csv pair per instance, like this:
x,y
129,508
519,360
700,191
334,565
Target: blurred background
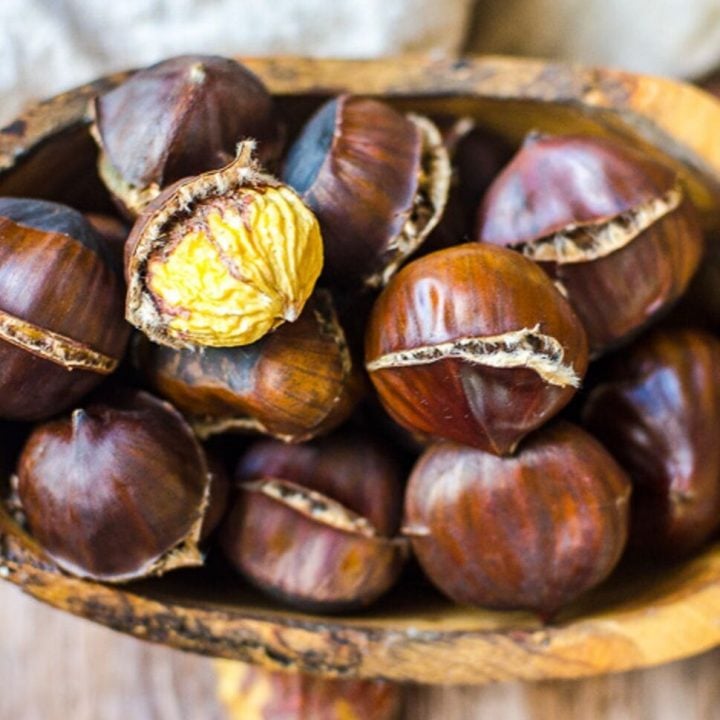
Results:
x,y
53,666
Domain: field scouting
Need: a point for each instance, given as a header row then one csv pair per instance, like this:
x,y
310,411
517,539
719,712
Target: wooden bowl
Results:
x,y
642,616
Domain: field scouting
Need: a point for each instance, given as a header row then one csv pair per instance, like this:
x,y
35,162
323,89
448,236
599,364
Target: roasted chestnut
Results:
x,y
254,693
116,491
377,181
474,344
658,412
304,546
61,309
221,259
532,531
613,227
295,383
178,118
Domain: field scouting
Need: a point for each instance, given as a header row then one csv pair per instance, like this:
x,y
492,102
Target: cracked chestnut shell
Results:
x,y
614,227
474,344
61,309
254,693
376,179
299,539
180,117
658,412
532,531
116,491
294,384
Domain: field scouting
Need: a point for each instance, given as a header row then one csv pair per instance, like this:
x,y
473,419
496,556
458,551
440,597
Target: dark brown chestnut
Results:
x,y
178,118
116,491
306,547
533,531
295,383
114,233
474,344
61,309
658,412
614,227
253,693
377,181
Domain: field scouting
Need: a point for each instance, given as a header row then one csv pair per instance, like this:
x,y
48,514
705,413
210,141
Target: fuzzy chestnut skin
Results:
x,y
629,238
180,117
474,344
62,329
295,384
356,470
254,693
377,181
116,491
658,412
533,531
312,526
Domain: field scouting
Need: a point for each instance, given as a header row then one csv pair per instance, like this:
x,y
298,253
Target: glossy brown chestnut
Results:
x,y
305,547
474,344
532,531
377,181
178,118
253,693
295,383
356,470
658,412
61,309
116,491
614,227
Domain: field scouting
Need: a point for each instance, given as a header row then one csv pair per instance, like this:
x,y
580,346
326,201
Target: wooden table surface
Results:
x,y
55,667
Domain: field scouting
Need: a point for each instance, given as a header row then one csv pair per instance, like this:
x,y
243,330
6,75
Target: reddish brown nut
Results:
x,y
377,181
114,232
178,118
116,491
355,470
658,412
532,531
252,693
61,309
294,384
305,547
474,344
221,259
614,227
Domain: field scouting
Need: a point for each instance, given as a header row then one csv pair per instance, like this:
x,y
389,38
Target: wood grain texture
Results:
x,y
643,617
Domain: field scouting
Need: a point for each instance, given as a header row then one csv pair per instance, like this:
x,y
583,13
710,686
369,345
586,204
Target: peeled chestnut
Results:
x,y
613,227
657,411
116,491
532,531
377,181
307,547
258,694
221,259
474,344
61,309
178,118
295,383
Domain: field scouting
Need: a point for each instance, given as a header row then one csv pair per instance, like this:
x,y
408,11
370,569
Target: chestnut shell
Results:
x,y
532,531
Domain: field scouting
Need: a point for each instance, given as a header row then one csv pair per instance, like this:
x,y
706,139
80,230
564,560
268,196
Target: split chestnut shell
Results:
x,y
533,531
474,344
613,227
116,491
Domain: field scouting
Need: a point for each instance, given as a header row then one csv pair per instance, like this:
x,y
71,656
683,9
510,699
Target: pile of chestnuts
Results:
x,y
313,358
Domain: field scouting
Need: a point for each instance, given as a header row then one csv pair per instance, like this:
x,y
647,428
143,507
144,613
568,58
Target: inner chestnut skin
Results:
x,y
532,531
55,273
470,291
569,182
109,491
357,165
658,412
